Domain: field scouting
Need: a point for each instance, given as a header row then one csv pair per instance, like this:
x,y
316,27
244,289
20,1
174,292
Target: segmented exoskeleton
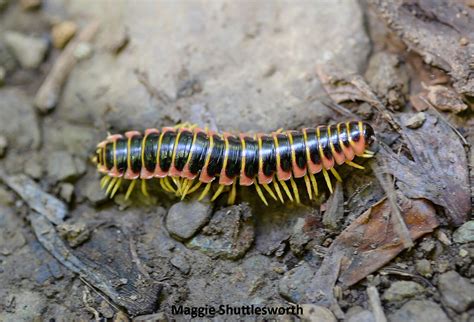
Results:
x,y
185,157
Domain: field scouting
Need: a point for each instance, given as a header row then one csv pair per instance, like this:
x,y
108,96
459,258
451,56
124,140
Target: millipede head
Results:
x,y
369,133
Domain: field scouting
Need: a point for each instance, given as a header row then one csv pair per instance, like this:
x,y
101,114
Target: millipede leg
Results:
x,y
144,189
308,186
178,185
163,185
287,191
168,184
336,174
269,190
295,189
117,186
355,165
315,184
260,194
205,191
104,181
195,187
186,186
367,156
111,186
328,180
278,191
232,194
131,186
218,192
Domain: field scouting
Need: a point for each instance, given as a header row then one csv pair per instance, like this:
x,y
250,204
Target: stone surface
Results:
x,y
363,316
316,313
446,99
419,311
402,290
294,283
83,51
62,33
465,233
457,292
3,145
18,121
95,194
3,74
416,120
29,51
62,166
66,191
185,218
229,234
423,267
180,263
30,4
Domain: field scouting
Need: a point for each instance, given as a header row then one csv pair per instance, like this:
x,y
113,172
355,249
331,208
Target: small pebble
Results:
x,y
316,313
62,33
463,252
423,267
29,51
185,218
457,292
465,233
180,263
28,5
401,290
416,120
83,51
3,146
419,311
33,168
463,41
66,191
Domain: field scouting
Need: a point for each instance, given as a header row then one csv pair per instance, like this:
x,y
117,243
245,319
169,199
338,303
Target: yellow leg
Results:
x,y
117,186
269,190
308,186
131,186
178,185
315,184
168,184
277,189
205,191
144,189
232,194
187,185
195,187
104,181
295,190
163,185
287,191
365,155
328,180
111,186
334,172
218,192
260,194
355,165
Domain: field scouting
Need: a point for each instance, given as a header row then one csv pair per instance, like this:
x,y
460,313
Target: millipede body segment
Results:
x,y
184,158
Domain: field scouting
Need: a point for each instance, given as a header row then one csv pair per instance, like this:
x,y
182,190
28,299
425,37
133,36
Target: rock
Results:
x,y
106,310
83,51
294,283
299,238
229,234
185,218
95,194
33,167
75,233
363,316
62,33
402,290
445,99
465,233
3,4
457,292
66,191
6,197
315,313
29,51
180,263
18,122
365,110
62,166
7,60
3,146
3,74
388,78
416,120
28,5
419,311
423,267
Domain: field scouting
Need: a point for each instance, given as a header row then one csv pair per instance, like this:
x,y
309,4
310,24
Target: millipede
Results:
x,y
186,159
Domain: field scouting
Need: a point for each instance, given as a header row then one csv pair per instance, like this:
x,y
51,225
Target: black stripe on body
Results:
x,y
284,150
251,157
198,157
217,157
343,135
300,149
312,143
355,131
121,151
268,154
109,156
166,150
151,149
324,141
234,157
136,153
183,149
335,138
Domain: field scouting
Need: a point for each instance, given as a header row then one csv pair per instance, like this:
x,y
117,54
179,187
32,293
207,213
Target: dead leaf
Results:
x,y
445,99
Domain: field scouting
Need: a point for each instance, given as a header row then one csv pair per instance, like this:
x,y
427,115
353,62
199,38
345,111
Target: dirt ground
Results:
x,y
394,242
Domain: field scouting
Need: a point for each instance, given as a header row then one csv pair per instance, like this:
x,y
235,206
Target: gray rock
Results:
x,y
74,233
229,234
416,120
3,74
419,311
457,292
316,313
423,267
29,51
18,122
185,218
294,283
83,51
7,60
3,146
66,191
62,166
402,290
95,194
363,316
6,197
465,233
180,263
33,167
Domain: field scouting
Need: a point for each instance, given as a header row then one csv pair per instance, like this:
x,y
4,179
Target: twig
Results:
x,y
143,78
48,95
375,304
339,109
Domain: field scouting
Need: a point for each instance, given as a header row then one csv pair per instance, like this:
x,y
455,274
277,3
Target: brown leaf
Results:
x,y
438,171
445,99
